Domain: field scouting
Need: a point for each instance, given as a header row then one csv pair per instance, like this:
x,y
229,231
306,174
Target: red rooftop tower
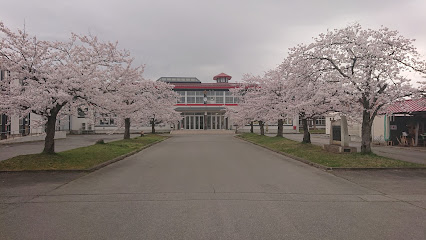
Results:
x,y
222,78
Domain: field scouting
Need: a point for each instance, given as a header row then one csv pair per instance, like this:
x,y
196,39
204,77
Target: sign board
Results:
x,y
337,133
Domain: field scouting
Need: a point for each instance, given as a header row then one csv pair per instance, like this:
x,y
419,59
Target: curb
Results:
x,y
325,167
376,169
12,143
290,156
406,148
104,164
92,169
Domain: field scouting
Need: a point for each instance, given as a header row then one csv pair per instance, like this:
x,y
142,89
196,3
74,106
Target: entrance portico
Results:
x,y
204,120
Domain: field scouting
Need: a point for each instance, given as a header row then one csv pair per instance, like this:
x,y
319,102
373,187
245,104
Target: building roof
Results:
x,y
203,86
221,75
179,80
200,108
407,106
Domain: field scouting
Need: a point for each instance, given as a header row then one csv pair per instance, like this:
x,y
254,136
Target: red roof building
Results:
x,y
408,106
406,122
202,105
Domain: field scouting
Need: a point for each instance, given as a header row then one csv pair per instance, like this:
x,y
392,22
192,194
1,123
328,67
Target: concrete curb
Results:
x,y
377,169
92,169
325,167
32,138
33,141
288,155
119,158
413,149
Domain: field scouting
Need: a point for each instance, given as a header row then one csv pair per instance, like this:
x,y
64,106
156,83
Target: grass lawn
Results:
x,y
79,158
314,131
316,154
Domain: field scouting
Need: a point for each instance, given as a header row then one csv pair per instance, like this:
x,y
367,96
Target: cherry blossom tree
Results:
x,y
133,99
162,105
128,96
253,104
48,77
238,114
266,99
287,91
310,92
369,66
277,95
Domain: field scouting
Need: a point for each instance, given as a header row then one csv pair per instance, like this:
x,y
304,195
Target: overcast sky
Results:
x,y
203,38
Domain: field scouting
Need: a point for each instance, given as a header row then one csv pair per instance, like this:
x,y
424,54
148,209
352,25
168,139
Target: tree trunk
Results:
x,y
314,123
127,128
153,127
251,127
262,129
366,133
49,140
306,134
280,128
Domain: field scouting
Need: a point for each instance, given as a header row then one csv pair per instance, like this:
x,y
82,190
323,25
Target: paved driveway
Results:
x,y
72,141
213,187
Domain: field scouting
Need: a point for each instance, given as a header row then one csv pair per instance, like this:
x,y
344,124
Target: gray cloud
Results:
x,y
203,38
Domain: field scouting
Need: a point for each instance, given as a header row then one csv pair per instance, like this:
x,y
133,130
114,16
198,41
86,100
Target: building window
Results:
x,y
81,113
228,97
199,97
181,98
222,80
320,121
24,125
190,97
288,121
106,120
219,96
211,97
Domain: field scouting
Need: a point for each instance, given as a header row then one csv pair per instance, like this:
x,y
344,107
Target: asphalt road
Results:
x,y
213,187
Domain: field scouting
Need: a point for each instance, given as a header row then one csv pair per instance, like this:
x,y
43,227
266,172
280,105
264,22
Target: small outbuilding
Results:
x,y
401,123
407,122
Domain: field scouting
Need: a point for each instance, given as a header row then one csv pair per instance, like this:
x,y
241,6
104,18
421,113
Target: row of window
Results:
x,y
213,97
106,122
106,119
319,121
222,80
200,113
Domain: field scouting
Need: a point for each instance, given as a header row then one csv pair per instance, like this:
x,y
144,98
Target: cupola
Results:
x,y
222,78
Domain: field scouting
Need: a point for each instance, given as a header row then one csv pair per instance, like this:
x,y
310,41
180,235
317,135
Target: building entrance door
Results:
x,y
193,122
216,122
196,121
